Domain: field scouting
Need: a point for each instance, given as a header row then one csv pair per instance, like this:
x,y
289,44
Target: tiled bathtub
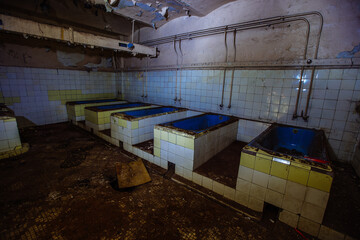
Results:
x,y
287,167
192,141
98,117
76,109
137,126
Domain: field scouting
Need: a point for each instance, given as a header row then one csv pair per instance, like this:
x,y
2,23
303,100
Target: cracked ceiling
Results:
x,y
157,12
108,17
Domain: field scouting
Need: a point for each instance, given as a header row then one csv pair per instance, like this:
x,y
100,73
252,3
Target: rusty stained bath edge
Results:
x,y
318,167
95,109
132,118
73,103
197,135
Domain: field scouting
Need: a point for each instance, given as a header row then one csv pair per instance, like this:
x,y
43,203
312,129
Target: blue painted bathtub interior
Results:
x,y
293,141
148,112
114,106
95,101
199,123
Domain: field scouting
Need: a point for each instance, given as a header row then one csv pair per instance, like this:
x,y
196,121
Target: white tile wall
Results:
x,y
32,86
266,95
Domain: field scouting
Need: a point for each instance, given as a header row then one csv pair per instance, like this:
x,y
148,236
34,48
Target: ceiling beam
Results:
x,y
47,31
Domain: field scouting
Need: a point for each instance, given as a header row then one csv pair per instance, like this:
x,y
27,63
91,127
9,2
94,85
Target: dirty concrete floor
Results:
x,y
147,146
343,208
64,188
224,166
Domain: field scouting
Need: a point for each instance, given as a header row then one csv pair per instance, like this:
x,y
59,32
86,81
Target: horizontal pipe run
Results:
x,y
210,33
263,65
231,27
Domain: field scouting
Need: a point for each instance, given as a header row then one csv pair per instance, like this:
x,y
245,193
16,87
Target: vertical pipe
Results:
x,y
175,99
231,87
132,31
306,117
180,71
295,115
146,79
122,84
319,34
232,73
143,82
298,94
114,62
226,57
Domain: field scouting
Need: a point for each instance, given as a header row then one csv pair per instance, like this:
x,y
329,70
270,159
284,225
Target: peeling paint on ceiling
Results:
x,y
158,12
349,54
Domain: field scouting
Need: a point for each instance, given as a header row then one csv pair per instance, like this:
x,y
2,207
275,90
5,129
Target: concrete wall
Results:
x,y
281,42
40,94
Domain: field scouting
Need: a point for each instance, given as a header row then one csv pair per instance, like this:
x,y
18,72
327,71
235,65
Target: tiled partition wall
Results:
x,y
136,131
40,94
300,190
9,134
262,95
190,151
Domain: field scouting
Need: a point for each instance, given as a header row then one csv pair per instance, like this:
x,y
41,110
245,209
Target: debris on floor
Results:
x,y
131,174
